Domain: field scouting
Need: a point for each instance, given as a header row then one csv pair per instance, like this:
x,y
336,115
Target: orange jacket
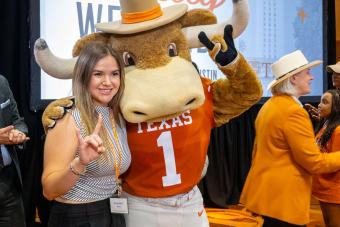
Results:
x,y
285,156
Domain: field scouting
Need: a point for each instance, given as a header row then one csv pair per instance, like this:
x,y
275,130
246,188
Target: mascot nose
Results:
x,y
139,110
190,101
139,113
148,112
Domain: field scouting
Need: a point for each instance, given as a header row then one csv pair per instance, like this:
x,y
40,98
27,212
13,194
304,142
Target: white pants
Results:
x,y
183,210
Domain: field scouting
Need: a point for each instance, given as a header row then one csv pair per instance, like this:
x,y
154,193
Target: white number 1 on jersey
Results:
x,y
171,178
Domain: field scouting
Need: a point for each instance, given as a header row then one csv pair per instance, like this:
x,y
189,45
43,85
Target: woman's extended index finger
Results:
x,y
98,125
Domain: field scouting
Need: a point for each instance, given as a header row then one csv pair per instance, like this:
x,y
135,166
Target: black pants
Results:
x,y
11,205
272,222
331,214
95,214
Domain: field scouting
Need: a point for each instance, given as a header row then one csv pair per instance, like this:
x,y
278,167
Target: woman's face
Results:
x,y
105,81
302,82
325,105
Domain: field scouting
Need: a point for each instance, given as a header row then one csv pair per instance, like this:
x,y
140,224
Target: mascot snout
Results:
x,y
163,93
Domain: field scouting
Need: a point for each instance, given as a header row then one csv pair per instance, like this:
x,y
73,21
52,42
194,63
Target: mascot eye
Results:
x,y
128,59
172,50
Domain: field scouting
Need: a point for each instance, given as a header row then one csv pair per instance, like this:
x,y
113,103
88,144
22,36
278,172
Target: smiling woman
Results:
x,y
87,151
326,187
105,81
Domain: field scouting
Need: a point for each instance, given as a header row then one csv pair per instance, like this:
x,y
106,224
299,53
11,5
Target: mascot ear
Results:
x,y
197,17
99,37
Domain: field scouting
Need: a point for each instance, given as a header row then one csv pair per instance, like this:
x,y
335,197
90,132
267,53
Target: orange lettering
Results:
x,y
216,4
211,4
193,2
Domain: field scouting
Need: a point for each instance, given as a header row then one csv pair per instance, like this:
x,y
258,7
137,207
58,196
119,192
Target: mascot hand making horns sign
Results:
x,y
170,110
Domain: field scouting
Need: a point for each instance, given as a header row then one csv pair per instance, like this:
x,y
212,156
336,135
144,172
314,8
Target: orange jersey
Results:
x,y
168,157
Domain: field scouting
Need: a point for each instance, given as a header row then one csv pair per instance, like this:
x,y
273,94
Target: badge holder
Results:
x,y
118,205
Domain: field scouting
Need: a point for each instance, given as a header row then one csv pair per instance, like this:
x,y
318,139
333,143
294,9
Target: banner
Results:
x,y
275,28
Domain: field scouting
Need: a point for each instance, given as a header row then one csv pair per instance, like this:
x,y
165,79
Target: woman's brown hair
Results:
x,y
87,60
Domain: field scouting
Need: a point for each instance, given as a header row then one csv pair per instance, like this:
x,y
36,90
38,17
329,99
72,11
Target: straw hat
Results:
x,y
333,68
142,15
290,65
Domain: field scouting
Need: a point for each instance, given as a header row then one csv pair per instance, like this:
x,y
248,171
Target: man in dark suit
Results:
x,y
13,131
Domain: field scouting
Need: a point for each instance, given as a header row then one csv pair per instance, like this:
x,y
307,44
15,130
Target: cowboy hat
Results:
x,y
139,16
289,65
333,68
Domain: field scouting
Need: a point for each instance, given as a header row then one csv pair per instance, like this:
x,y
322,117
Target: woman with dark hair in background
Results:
x,y
326,186
335,70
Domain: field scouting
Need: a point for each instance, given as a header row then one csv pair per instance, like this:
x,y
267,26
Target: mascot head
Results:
x,y
154,43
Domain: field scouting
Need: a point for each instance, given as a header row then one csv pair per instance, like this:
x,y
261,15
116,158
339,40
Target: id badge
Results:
x,y
119,205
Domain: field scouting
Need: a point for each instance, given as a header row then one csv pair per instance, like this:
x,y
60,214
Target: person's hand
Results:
x,y
4,134
17,137
222,50
314,113
10,136
91,147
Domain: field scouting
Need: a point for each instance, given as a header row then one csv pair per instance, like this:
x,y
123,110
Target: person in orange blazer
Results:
x,y
285,154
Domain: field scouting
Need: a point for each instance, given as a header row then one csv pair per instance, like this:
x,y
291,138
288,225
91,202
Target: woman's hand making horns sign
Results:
x,y
91,147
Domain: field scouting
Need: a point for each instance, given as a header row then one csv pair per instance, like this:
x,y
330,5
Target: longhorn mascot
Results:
x,y
170,110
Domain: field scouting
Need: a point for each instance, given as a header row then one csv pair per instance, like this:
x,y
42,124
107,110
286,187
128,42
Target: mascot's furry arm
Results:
x,y
242,89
